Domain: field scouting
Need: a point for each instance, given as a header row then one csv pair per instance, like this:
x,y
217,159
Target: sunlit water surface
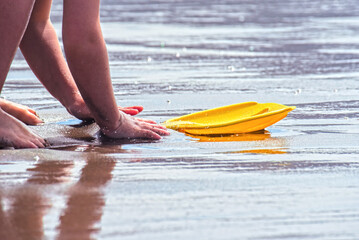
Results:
x,y
297,180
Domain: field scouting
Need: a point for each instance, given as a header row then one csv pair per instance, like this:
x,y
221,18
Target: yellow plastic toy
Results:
x,y
232,119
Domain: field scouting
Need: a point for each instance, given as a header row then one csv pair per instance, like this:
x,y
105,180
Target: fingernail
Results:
x,y
40,123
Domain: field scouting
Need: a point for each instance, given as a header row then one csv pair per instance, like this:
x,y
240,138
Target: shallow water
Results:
x,y
297,180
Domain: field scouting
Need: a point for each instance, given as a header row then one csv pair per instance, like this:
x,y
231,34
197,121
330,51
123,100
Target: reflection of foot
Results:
x,y
21,112
14,133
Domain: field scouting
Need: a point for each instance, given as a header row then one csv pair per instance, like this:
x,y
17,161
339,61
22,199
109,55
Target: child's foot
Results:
x,y
130,127
14,133
21,112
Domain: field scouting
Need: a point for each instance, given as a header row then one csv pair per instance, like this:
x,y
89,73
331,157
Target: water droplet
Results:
x,y
231,68
149,59
178,55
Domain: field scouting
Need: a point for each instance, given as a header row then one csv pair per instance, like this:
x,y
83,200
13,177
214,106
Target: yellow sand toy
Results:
x,y
232,119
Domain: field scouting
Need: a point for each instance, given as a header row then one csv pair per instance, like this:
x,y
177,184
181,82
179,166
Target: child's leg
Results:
x,y
40,47
14,16
86,53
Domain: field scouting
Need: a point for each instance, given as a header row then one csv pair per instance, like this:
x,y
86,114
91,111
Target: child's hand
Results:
x,y
21,112
81,111
134,110
135,128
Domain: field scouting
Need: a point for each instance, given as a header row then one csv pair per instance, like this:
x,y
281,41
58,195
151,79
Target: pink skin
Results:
x,y
30,117
21,112
87,58
14,16
19,135
83,86
136,128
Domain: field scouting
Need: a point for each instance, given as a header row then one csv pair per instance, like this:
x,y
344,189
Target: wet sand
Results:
x,y
296,180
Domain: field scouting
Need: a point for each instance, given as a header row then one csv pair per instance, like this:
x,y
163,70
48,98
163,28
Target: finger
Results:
x,y
157,130
28,117
138,108
162,132
129,111
146,120
151,123
151,135
159,127
33,120
134,110
32,112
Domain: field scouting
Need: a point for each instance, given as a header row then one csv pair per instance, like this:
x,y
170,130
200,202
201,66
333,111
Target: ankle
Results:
x,y
110,129
78,109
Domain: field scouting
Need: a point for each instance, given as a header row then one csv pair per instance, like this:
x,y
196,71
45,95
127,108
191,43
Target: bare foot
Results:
x,y
21,112
14,133
130,127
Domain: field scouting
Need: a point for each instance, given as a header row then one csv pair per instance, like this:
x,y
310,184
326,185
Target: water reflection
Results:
x,y
255,136
86,200
262,151
50,172
93,148
24,218
28,205
22,209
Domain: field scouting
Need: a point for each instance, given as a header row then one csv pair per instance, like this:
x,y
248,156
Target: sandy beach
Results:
x,y
299,179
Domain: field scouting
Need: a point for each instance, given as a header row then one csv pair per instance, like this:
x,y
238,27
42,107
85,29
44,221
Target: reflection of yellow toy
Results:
x,y
263,151
239,137
237,118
